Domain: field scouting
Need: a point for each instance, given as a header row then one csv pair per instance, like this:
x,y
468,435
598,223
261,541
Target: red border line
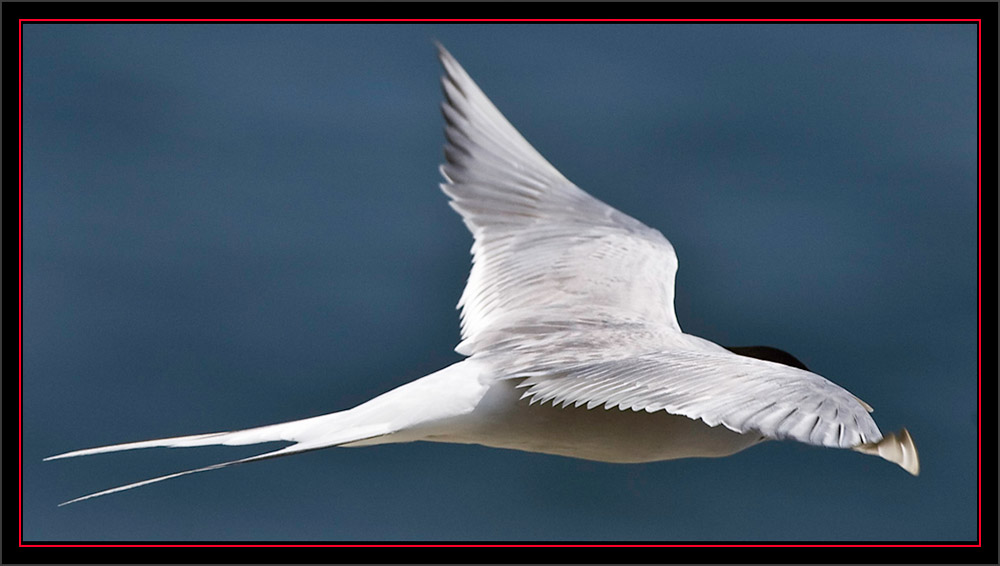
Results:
x,y
502,545
979,274
498,20
20,283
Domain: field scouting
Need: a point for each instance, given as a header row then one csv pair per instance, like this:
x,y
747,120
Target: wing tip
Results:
x,y
448,60
441,50
445,56
897,448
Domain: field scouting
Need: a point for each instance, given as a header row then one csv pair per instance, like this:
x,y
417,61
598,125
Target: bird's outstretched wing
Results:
x,y
743,394
541,243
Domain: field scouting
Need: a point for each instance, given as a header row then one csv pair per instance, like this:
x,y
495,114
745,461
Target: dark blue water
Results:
x,y
228,226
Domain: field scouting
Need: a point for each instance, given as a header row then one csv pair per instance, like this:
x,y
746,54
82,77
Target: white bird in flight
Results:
x,y
573,347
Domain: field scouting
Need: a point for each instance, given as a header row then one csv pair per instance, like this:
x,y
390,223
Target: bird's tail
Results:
x,y
313,433
400,415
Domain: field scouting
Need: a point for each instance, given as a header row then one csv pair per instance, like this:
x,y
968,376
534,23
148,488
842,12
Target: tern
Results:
x,y
570,339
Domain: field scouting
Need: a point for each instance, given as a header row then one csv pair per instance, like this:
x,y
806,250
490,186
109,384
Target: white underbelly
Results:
x,y
502,420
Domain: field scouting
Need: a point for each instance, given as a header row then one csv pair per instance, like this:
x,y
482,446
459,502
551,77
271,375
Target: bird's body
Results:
x,y
492,413
572,344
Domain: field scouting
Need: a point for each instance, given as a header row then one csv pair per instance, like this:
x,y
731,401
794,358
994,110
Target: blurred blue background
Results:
x,y
234,225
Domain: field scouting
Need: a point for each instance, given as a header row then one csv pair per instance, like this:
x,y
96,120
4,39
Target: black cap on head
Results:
x,y
769,354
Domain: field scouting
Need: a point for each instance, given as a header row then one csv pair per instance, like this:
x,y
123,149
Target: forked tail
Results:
x,y
404,413
308,434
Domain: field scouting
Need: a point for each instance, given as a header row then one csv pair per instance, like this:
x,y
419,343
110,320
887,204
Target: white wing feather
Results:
x,y
540,241
743,394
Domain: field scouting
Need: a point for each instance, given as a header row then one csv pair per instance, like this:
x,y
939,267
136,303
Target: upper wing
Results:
x,y
541,243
